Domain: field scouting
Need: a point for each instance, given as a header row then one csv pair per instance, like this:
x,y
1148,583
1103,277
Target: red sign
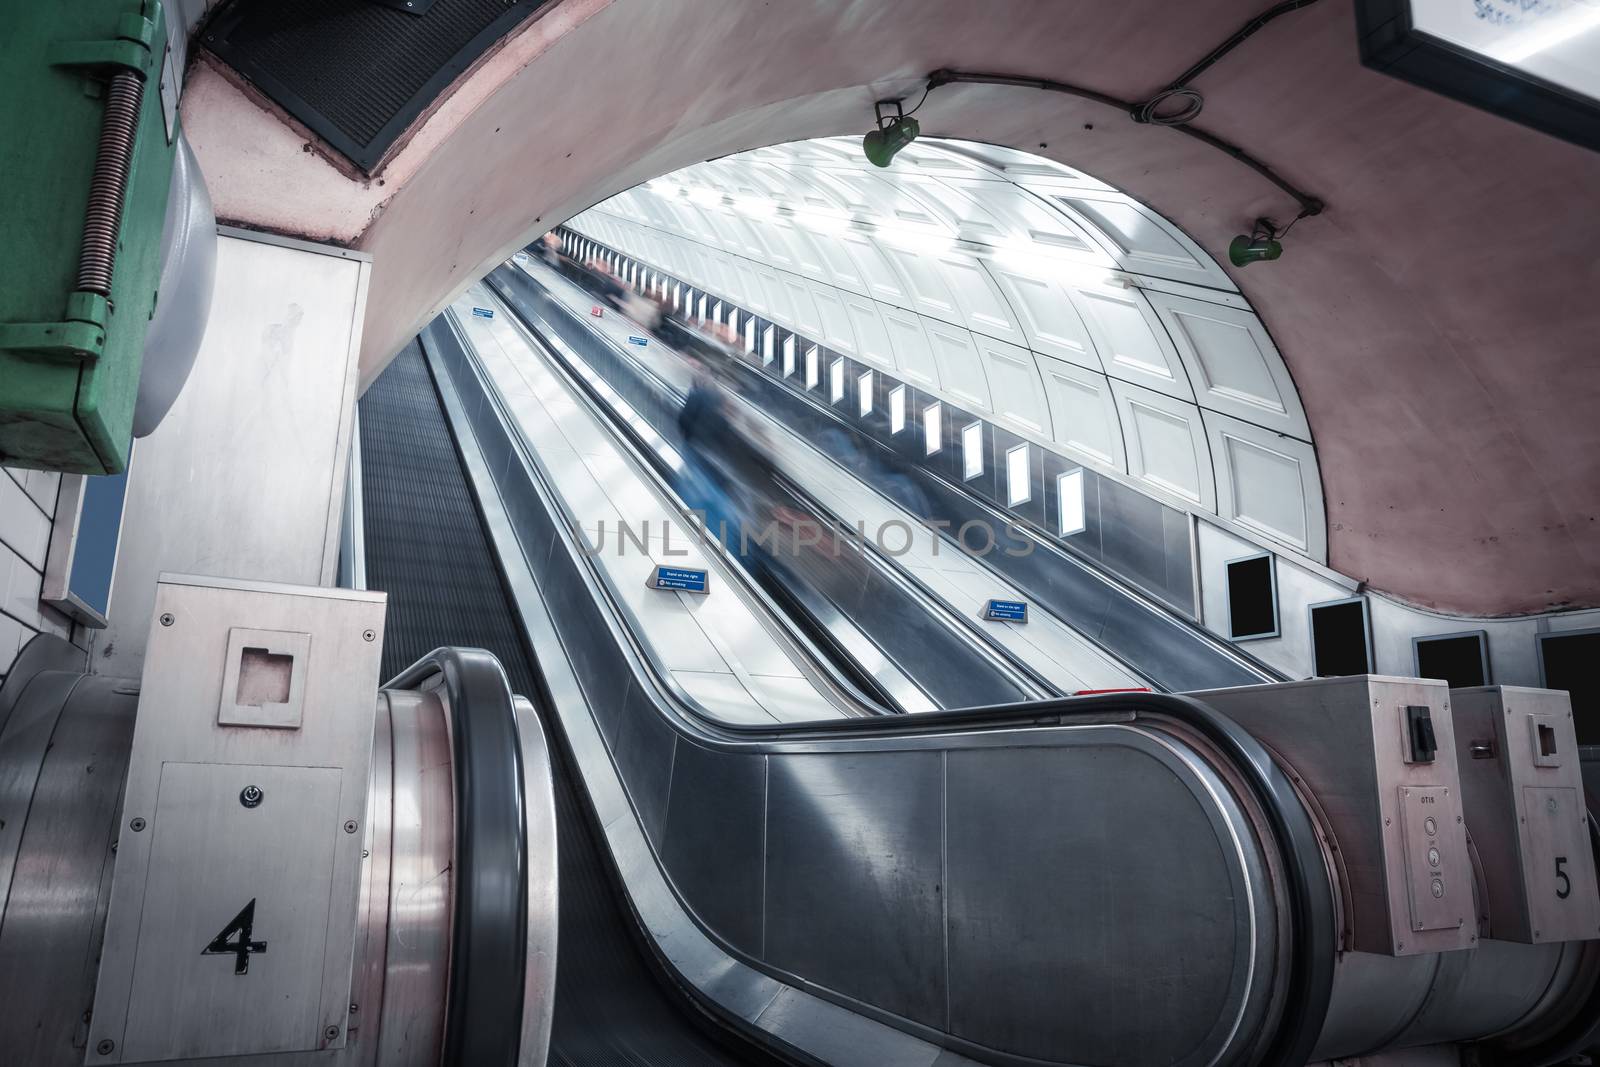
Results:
x,y
597,311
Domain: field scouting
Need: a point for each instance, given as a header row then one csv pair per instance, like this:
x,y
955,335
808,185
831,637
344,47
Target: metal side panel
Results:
x,y
239,858
51,927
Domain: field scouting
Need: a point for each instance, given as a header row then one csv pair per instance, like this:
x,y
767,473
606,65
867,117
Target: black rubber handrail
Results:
x,y
489,924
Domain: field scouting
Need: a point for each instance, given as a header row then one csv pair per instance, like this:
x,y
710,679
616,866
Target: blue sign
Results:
x,y
640,341
483,313
1006,611
683,579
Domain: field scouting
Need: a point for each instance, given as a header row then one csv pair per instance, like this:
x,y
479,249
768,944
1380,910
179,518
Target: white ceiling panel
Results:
x,y
1015,386
1050,322
1232,363
909,342
1143,241
1083,412
1268,483
960,366
1166,443
1132,343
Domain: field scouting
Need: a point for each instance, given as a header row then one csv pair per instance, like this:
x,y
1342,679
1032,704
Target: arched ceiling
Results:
x,y
1016,289
1439,318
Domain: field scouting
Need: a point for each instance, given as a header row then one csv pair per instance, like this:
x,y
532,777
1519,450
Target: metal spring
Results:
x,y
109,186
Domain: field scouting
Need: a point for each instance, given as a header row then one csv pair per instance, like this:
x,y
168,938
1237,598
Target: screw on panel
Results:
x,y
354,1007
369,635
331,1033
136,825
350,826
365,854
105,1047
167,618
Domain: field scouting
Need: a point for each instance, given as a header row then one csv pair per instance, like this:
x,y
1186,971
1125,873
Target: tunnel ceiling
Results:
x,y
357,73
1438,318
1015,287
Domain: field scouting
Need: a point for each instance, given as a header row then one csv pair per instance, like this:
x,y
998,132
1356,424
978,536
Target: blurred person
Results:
x,y
708,436
549,250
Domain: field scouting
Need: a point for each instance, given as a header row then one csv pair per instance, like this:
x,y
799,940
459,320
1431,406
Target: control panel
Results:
x,y
233,911
1525,808
1378,754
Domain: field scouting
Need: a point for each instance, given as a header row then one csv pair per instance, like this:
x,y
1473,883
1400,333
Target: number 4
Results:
x,y
234,940
1566,883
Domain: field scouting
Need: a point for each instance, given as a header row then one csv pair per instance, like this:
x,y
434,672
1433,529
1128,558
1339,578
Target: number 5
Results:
x,y
1566,883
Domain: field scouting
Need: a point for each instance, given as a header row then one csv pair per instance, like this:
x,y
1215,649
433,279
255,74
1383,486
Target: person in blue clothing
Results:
x,y
708,437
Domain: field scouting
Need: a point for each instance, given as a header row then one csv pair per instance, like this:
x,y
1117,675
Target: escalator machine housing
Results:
x,y
1379,755
1525,806
239,858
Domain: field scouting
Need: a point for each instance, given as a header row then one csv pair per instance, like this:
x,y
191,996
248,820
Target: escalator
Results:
x,y
426,547
1169,652
1129,878
937,650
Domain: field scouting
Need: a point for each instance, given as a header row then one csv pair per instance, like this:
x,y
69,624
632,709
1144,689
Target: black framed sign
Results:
x,y
1536,62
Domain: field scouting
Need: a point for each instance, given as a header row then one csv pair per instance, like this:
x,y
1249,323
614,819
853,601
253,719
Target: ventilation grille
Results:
x,y
357,73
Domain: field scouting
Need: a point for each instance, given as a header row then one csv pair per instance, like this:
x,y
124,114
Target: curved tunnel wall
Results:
x,y
1013,287
1438,317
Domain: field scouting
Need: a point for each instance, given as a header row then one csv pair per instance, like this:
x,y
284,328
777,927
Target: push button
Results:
x,y
1421,743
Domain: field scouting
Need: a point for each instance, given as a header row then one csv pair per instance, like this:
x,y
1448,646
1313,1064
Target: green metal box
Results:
x,y
84,177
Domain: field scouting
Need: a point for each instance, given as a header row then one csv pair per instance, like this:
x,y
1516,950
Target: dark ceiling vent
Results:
x,y
358,72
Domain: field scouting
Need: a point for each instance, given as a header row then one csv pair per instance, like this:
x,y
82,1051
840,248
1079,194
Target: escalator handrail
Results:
x,y
489,921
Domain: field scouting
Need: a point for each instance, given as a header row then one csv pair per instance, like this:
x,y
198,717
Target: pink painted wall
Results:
x,y
1441,320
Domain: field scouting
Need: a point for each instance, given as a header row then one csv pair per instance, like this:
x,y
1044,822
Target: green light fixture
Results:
x,y
1261,244
894,131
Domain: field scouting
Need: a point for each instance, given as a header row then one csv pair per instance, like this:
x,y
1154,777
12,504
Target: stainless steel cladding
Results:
x,y
1378,755
63,752
241,836
1525,807
1368,766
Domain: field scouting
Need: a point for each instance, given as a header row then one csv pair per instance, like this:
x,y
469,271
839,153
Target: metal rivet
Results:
x,y
354,1007
105,1047
136,825
369,635
365,853
331,1033
350,826
167,618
